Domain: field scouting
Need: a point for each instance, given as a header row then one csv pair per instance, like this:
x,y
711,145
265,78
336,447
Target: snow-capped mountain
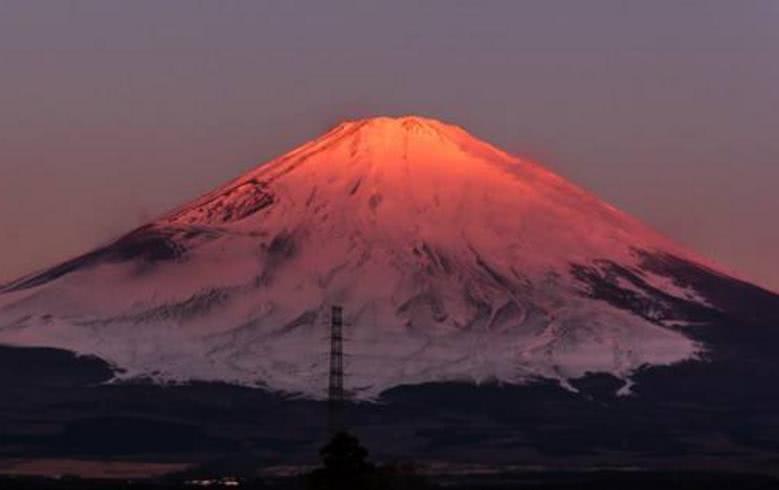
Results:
x,y
453,260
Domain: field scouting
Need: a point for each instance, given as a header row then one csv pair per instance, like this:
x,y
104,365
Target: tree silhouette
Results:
x,y
344,464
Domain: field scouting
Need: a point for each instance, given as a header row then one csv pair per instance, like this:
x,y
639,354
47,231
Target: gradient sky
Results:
x,y
112,112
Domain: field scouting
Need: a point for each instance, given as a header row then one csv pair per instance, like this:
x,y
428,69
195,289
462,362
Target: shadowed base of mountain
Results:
x,y
717,414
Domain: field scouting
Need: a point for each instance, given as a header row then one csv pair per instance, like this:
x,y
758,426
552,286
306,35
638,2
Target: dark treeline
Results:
x,y
345,466
391,478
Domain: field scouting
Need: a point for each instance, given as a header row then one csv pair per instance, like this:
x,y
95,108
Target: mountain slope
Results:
x,y
454,261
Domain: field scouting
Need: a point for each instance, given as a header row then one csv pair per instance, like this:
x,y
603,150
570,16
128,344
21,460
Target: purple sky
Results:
x,y
112,112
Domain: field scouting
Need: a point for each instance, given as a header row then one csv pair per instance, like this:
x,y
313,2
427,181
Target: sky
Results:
x,y
113,112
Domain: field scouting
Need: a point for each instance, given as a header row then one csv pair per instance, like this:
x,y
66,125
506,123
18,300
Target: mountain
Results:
x,y
495,313
454,261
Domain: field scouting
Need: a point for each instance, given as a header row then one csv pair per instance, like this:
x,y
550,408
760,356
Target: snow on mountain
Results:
x,y
453,260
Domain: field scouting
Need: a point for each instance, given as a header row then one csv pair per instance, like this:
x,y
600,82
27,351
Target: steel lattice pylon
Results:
x,y
335,392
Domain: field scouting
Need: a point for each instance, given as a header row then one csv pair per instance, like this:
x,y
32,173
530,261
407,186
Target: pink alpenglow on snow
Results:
x,y
454,261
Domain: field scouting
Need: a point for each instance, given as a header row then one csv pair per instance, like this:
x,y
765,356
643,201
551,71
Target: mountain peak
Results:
x,y
386,130
389,123
406,137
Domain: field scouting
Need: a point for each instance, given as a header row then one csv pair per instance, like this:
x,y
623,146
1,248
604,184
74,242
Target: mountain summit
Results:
x,y
454,261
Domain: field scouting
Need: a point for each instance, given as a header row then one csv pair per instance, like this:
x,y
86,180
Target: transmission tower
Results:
x,y
335,392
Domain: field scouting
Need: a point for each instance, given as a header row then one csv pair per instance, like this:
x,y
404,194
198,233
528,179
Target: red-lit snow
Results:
x,y
451,259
